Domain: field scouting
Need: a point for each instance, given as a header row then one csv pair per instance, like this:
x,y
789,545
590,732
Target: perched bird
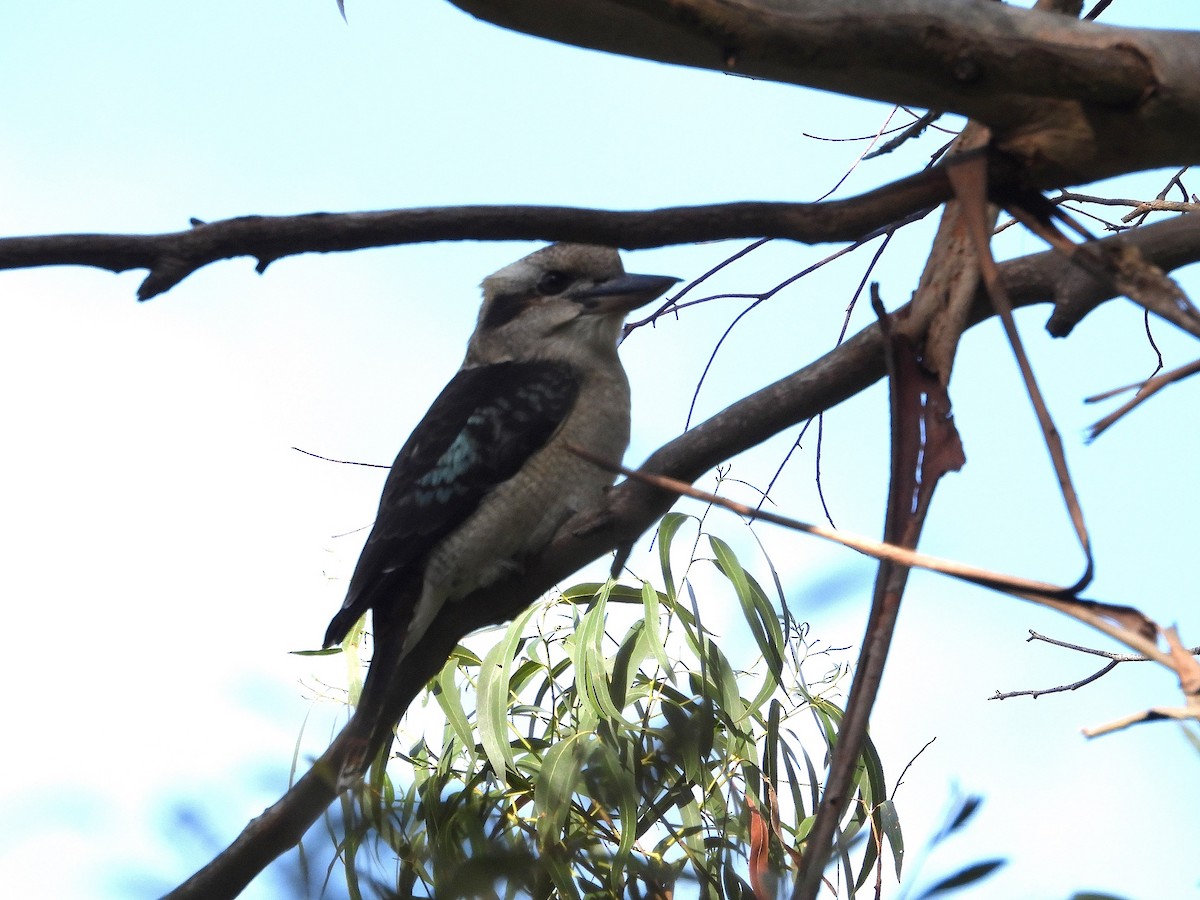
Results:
x,y
487,477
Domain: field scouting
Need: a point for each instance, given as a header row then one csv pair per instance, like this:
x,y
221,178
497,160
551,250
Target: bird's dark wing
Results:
x,y
478,433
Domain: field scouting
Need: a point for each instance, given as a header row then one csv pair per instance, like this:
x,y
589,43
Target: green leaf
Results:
x,y
771,745
586,590
870,854
842,841
626,661
492,711
562,875
618,784
591,668
814,783
963,877
650,608
465,658
555,784
446,692
670,524
756,609
876,788
328,651
959,817
727,697
889,823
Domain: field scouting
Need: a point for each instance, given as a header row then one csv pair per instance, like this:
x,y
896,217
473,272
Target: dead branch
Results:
x,y
1187,667
1114,659
1139,206
172,257
1144,392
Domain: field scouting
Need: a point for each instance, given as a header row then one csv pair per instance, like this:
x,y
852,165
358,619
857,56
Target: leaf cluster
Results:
x,y
608,745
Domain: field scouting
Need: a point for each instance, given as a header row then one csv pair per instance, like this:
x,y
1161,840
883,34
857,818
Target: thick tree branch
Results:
x,y
631,509
1077,100
172,257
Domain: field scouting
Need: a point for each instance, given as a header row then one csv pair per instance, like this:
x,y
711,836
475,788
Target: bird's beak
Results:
x,y
623,293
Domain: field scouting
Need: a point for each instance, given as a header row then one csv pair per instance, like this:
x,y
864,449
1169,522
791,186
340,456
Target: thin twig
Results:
x,y
1062,599
341,462
1092,651
1037,692
907,766
1145,392
1139,206
915,130
1114,659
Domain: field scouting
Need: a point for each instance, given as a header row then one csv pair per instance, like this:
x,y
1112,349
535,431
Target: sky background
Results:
x,y
164,548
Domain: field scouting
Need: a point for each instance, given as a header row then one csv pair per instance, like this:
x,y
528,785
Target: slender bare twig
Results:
x,y
1145,392
907,766
914,130
341,462
1112,620
1139,206
865,154
1060,598
1074,685
672,304
1114,659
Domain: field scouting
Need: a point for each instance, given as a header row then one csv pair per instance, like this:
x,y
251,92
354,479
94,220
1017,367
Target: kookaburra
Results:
x,y
487,477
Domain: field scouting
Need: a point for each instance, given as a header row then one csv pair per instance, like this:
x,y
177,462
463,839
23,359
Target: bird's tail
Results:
x,y
398,673
371,728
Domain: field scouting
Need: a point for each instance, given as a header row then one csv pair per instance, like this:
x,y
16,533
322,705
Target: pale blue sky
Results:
x,y
163,547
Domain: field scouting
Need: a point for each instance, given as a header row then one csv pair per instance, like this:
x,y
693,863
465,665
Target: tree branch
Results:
x,y
172,257
1114,660
1077,100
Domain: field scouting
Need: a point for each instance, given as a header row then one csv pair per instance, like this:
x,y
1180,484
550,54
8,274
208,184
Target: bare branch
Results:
x,y
172,257
1091,651
1145,392
1139,206
1186,666
1075,685
1114,659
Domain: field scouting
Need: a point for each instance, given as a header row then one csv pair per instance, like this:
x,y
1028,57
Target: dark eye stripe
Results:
x,y
504,308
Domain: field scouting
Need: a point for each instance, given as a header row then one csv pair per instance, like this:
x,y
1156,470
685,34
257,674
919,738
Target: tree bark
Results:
x,y
1078,101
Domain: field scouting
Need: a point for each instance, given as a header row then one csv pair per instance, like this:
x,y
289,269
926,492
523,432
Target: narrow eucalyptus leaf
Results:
x,y
963,877
651,607
560,773
667,528
890,823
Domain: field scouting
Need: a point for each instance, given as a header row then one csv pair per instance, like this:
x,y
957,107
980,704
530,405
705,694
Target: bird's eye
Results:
x,y
553,282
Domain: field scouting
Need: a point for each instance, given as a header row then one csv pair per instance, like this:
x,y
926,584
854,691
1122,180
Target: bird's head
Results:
x,y
565,301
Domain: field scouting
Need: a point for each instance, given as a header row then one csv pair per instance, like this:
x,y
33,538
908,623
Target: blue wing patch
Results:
x,y
477,434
